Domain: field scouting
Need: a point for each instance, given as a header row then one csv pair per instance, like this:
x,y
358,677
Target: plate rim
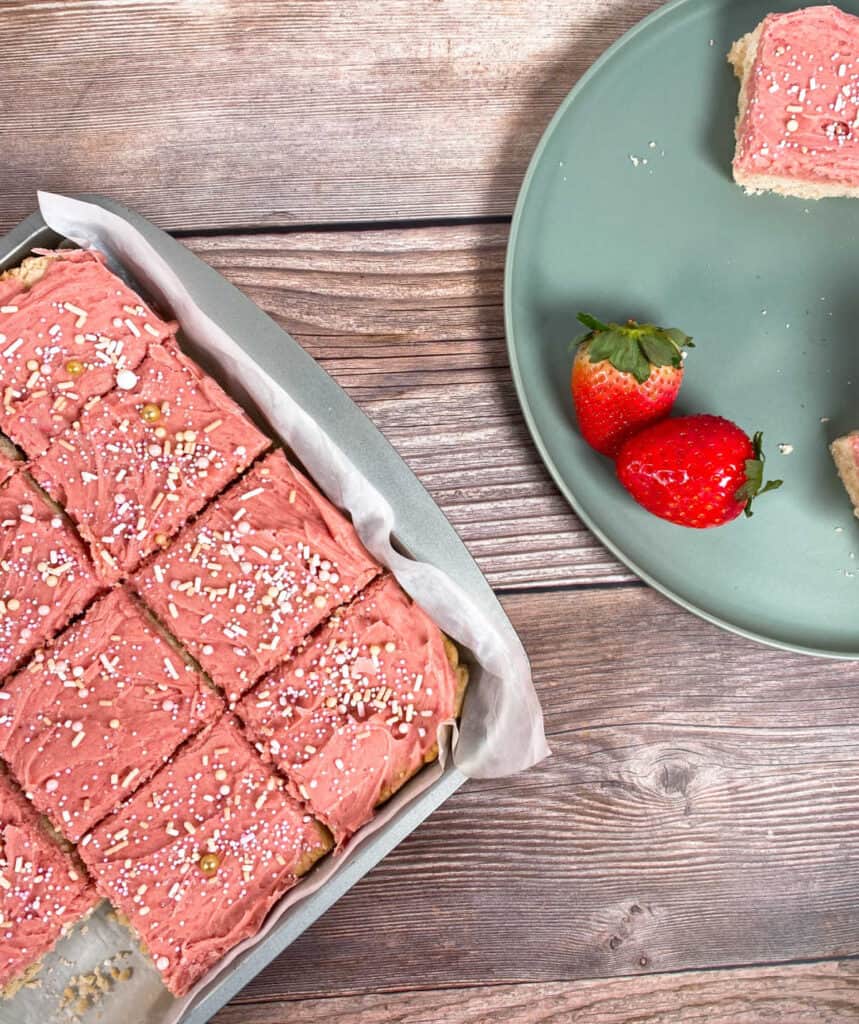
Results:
x,y
595,69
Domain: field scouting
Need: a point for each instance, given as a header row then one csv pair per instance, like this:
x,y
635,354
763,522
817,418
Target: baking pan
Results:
x,y
422,531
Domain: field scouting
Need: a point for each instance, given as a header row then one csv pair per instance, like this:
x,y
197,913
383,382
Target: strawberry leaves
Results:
x,y
592,323
754,485
634,348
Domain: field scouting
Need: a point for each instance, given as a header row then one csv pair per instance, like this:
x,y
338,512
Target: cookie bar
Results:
x,y
46,577
197,857
355,712
42,890
97,712
798,125
69,330
260,569
145,457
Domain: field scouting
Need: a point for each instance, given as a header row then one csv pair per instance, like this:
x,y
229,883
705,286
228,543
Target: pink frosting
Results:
x,y
256,573
130,483
217,797
96,713
46,577
78,312
801,121
358,707
42,893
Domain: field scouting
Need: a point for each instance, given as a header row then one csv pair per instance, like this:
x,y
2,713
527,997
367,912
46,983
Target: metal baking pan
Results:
x,y
422,531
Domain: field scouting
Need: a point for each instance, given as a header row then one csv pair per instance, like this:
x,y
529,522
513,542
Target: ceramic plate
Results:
x,y
629,210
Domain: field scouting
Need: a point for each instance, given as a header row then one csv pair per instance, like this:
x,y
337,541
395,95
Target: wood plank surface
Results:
x,y
700,810
821,993
218,115
411,323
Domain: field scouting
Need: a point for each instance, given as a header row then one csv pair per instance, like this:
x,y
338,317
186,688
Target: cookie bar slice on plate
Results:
x,y
798,124
197,857
69,330
46,577
97,712
259,570
145,457
43,892
355,713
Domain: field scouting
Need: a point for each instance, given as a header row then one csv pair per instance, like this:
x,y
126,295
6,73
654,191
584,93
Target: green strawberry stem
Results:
x,y
754,485
632,347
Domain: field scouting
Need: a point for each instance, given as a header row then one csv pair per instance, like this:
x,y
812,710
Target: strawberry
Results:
x,y
697,471
624,377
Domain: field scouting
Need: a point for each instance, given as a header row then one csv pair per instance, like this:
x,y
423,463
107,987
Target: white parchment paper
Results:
x,y
501,730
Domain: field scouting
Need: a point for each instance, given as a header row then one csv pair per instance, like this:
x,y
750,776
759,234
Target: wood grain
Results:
x,y
822,993
411,323
217,115
700,810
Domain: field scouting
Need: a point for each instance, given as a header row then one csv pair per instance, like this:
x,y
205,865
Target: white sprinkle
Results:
x,y
251,494
126,380
13,348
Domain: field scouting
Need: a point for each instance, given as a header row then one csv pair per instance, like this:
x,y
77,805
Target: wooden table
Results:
x,y
688,854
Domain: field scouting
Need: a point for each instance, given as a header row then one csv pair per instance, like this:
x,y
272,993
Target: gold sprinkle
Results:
x,y
209,864
74,368
150,412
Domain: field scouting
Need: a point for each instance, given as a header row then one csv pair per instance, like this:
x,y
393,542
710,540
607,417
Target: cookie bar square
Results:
x,y
42,890
46,577
98,711
145,457
197,857
356,711
69,330
798,125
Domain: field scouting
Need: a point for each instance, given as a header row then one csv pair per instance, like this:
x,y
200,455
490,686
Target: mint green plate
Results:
x,y
769,287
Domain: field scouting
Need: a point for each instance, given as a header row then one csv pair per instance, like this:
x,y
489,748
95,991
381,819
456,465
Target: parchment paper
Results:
x,y
501,730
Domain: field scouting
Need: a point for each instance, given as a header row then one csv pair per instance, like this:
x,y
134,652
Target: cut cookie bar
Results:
x,y
97,712
68,329
147,456
798,124
42,890
198,856
356,711
46,577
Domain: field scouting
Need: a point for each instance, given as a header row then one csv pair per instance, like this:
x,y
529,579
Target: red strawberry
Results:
x,y
697,471
624,377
